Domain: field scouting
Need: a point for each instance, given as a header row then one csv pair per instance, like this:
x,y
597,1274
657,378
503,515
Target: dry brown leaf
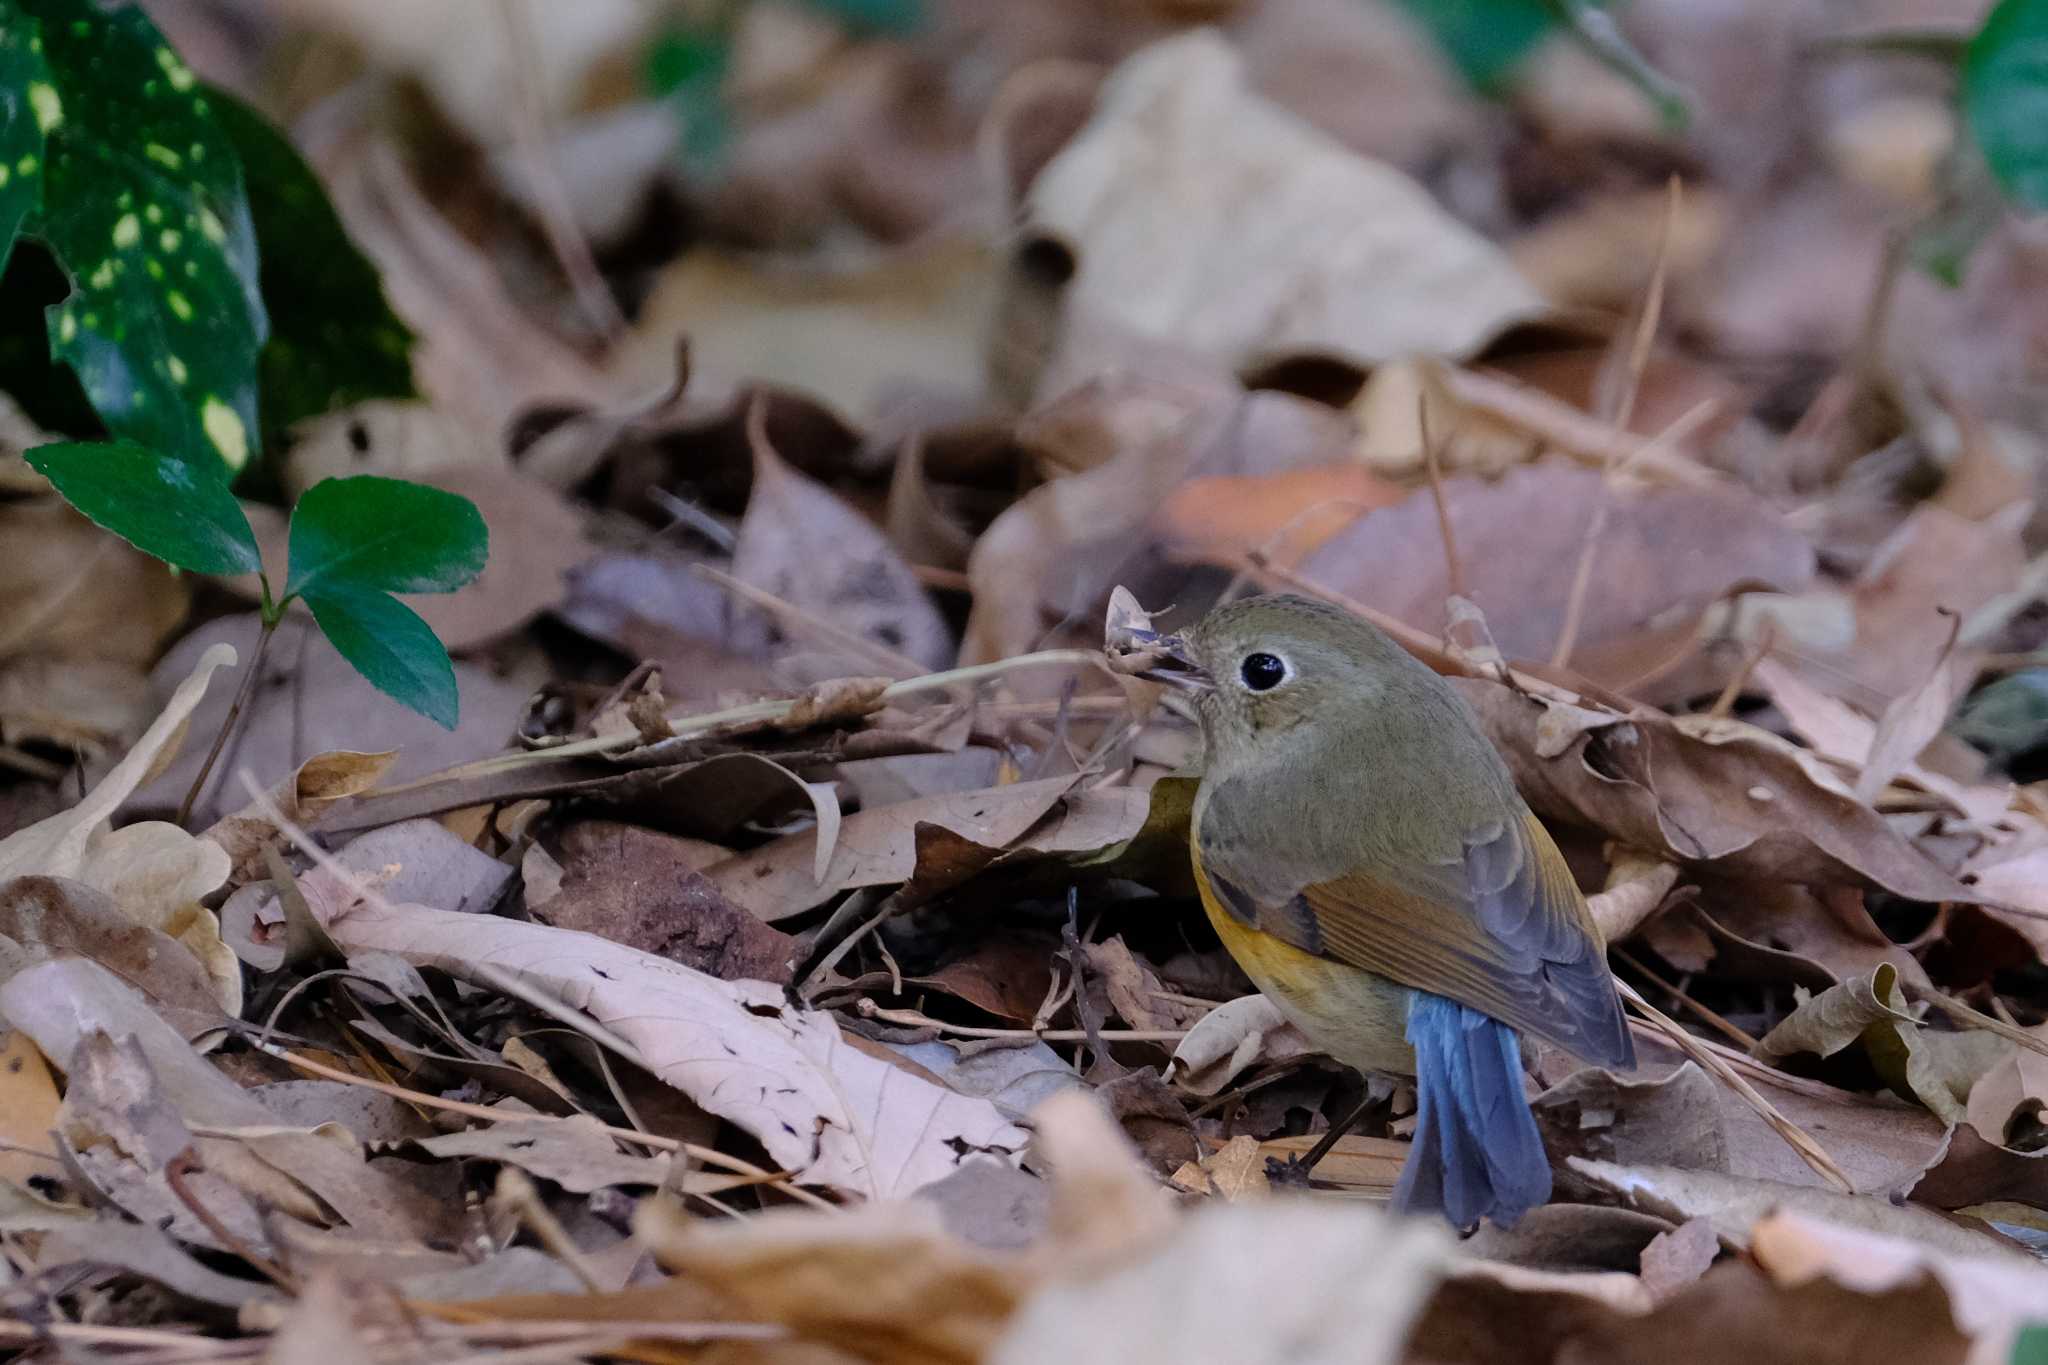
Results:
x,y
45,917
1241,1033
800,542
823,1109
1736,1204
28,1111
883,1283
879,847
2015,1087
66,1004
155,872
88,706
847,337
1235,1171
301,798
1839,734
642,888
1991,1295
71,590
479,358
1056,551
311,701
1203,213
1270,1281
1664,555
1939,1069
1700,790
1283,516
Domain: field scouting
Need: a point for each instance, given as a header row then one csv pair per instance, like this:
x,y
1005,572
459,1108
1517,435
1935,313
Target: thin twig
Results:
x,y
1596,525
516,1193
555,209
227,727
186,1163
764,712
1976,1018
888,660
710,1156
1710,1017
1800,1141
1625,410
1454,571
868,1009
1724,705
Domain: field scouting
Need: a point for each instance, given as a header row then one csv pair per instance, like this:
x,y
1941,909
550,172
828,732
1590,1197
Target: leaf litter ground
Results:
x,y
792,955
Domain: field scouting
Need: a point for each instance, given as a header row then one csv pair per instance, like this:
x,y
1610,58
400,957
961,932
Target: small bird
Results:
x,y
1363,854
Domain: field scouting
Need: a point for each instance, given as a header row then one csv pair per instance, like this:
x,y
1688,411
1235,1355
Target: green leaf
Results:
x,y
30,105
391,646
385,535
160,505
1485,38
333,338
143,207
2005,97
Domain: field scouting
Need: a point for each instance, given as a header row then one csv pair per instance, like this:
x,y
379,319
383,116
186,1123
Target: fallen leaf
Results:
x,y
1235,1171
1991,1296
1663,555
301,798
154,871
46,917
846,336
801,543
823,1110
310,701
1676,1259
1736,1205
28,1111
1236,1035
72,591
1696,790
878,847
1200,211
639,888
1266,1281
1938,1069
573,1152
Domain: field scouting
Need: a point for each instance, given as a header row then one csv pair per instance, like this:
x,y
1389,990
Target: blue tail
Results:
x,y
1477,1153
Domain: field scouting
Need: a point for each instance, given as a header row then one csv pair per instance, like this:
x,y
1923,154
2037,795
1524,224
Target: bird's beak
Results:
x,y
1172,662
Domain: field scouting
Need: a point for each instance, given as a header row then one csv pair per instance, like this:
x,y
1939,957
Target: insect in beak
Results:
x,y
1172,662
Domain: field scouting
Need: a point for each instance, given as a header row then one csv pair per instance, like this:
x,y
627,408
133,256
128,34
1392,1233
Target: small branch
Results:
x,y
1454,572
186,1163
556,210
868,1009
1800,1141
1976,1018
709,1156
227,727
1712,1019
516,1194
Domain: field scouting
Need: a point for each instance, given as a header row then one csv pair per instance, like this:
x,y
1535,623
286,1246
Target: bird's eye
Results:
x,y
1263,672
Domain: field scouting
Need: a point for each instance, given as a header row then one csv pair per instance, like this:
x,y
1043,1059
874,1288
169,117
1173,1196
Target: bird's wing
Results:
x,y
1503,930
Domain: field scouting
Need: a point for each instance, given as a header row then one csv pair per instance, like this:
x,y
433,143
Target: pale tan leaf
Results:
x,y
823,1109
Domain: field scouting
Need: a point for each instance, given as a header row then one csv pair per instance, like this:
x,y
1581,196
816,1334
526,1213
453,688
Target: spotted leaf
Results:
x,y
29,104
143,207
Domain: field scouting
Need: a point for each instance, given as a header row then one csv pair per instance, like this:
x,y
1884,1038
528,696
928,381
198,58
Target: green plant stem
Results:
x,y
227,727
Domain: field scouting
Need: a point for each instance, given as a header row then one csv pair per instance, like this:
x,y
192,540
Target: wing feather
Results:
x,y
1505,931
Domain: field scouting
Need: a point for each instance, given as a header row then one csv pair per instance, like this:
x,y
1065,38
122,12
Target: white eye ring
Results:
x,y
1262,670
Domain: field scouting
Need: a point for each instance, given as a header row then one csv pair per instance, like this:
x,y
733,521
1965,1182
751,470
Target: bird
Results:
x,y
1361,850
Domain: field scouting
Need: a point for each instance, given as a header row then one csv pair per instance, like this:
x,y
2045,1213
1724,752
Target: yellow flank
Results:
x,y
1356,1016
